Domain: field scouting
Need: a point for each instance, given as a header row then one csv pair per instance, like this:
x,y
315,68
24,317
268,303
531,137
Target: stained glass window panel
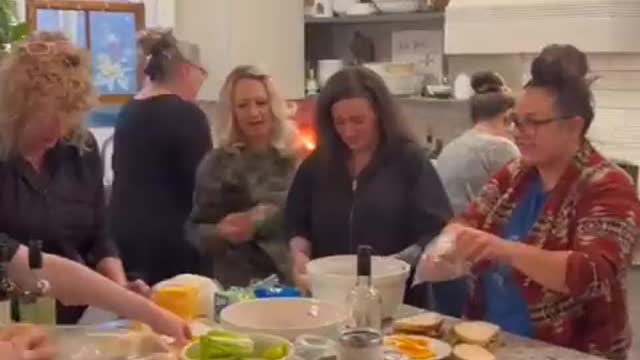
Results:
x,y
114,53
70,22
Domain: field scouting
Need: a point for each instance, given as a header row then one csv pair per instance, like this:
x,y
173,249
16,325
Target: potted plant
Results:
x,y
11,30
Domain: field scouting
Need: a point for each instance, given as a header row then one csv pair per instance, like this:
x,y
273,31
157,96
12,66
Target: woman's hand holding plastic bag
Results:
x,y
439,261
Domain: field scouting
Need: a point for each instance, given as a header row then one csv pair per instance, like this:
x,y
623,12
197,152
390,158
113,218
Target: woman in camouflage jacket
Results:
x,y
242,184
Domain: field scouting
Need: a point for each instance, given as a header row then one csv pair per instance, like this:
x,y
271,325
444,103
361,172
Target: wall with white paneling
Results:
x,y
616,130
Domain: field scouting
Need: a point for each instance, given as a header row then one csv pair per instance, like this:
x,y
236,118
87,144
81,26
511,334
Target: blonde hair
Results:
x,y
284,137
46,73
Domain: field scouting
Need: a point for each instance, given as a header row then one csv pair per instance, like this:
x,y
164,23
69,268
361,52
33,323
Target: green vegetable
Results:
x,y
276,352
225,345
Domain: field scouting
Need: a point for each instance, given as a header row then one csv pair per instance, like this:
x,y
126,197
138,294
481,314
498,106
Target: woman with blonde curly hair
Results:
x,y
242,184
51,186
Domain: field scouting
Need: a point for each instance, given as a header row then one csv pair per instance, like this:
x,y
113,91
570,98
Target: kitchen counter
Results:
x,y
512,347
515,347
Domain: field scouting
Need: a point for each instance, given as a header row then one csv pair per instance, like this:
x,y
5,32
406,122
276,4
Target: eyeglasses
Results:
x,y
40,48
202,70
530,126
45,47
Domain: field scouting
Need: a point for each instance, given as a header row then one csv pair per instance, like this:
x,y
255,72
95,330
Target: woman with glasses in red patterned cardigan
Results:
x,y
551,235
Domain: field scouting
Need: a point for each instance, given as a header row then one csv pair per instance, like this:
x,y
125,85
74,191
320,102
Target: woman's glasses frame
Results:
x,y
45,47
531,126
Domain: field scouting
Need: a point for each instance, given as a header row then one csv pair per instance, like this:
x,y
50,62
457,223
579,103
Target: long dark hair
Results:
x,y
357,82
572,91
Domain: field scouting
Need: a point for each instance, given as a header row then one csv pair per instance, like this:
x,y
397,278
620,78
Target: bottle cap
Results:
x,y
4,248
35,254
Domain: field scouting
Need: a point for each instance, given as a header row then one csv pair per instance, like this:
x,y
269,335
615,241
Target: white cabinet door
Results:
x,y
269,34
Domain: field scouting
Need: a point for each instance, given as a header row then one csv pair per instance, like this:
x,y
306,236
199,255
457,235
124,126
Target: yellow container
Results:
x,y
181,300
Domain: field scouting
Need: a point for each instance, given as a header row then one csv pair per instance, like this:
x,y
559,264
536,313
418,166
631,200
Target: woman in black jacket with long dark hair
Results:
x,y
366,183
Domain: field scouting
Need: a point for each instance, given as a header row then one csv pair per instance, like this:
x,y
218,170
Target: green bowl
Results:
x,y
262,343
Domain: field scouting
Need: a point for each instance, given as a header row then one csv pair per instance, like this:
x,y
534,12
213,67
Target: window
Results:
x,y
108,29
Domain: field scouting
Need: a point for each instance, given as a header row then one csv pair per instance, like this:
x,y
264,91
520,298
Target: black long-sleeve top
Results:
x,y
62,205
397,201
158,144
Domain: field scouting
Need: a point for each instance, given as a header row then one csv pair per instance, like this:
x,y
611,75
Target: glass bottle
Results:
x,y
364,301
36,306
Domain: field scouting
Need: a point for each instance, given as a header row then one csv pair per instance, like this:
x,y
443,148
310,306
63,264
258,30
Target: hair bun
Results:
x,y
155,41
487,82
572,59
551,72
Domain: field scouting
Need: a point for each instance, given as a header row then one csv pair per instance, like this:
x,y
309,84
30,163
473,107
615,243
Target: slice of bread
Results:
x,y
427,324
476,333
471,352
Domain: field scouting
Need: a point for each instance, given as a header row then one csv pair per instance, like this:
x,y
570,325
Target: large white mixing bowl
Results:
x,y
285,317
332,278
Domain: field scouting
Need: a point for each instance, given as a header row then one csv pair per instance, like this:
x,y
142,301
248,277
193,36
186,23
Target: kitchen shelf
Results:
x,y
377,18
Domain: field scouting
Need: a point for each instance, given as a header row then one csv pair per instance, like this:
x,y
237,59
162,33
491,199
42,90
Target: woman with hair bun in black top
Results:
x,y
159,141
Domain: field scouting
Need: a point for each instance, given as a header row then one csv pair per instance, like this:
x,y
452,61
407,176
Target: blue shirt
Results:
x,y
505,304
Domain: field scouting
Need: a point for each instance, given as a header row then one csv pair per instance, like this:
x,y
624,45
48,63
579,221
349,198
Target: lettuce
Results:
x,y
219,345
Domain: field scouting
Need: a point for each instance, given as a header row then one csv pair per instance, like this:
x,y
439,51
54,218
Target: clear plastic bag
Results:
x,y
439,263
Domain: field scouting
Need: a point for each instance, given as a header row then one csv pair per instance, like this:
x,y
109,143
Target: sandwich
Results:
x,y
471,352
479,333
425,324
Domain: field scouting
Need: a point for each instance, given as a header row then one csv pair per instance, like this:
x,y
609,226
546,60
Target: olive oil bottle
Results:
x,y
36,306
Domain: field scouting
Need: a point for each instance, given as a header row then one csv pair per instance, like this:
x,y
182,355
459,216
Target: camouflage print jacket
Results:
x,y
231,180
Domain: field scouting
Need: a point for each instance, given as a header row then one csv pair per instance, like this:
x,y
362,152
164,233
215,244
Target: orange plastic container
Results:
x,y
181,300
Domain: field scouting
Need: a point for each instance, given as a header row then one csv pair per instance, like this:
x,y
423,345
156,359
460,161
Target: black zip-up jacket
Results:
x,y
397,201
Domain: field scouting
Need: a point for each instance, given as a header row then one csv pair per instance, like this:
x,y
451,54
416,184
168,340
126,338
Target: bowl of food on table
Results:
x,y
285,317
220,344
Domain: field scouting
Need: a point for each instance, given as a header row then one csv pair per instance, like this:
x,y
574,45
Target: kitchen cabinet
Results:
x,y
235,32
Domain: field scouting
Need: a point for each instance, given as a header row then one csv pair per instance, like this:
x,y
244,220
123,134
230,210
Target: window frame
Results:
x,y
88,6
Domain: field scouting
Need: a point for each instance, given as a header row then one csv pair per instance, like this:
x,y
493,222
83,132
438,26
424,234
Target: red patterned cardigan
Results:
x,y
594,212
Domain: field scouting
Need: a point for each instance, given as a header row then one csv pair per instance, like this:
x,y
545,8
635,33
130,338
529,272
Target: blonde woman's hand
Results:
x,y
237,228
166,323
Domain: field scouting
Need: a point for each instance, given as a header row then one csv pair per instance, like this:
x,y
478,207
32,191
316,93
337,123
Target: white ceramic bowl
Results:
x,y
397,6
341,7
262,343
362,9
285,317
333,277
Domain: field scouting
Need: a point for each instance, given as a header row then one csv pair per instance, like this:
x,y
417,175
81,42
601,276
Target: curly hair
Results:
x,y
226,133
45,74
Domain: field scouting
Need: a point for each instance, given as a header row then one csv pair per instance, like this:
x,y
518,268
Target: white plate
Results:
x,y
441,348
